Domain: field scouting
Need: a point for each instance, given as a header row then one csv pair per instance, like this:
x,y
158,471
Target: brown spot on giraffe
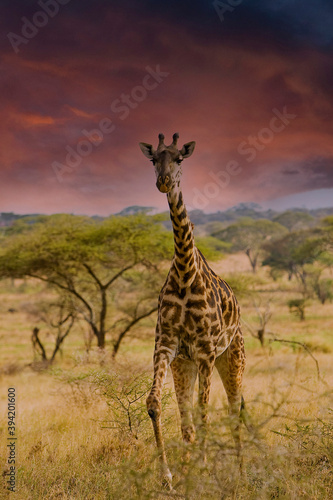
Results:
x,y
198,320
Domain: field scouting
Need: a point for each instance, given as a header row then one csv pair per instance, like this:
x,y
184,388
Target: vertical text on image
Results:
x,y
11,440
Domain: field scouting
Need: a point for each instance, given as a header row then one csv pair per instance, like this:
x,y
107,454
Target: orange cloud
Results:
x,y
35,120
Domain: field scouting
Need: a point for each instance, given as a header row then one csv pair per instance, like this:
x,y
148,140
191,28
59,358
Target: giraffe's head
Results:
x,y
167,161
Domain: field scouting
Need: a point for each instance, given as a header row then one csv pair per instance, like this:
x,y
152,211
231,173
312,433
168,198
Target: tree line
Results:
x,y
108,273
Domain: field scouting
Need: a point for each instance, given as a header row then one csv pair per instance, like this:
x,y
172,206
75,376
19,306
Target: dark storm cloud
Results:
x,y
318,172
312,173
225,78
283,22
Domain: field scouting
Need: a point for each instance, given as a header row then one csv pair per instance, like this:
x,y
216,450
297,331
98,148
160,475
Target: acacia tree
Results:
x,y
295,220
248,235
85,259
293,252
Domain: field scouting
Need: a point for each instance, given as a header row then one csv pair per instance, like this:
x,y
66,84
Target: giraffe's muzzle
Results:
x,y
164,184
163,188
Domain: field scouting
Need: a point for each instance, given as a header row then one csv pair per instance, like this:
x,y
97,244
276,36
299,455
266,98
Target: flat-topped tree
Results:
x,y
249,236
198,315
89,261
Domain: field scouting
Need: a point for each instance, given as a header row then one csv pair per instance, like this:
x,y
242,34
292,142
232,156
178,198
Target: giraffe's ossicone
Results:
x,y
198,325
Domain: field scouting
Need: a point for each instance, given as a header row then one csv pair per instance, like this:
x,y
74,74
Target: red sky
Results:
x,y
222,85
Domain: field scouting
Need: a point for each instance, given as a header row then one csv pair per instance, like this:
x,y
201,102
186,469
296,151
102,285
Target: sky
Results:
x,y
84,81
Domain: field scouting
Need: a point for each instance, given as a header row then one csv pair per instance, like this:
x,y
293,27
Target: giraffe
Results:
x,y
198,316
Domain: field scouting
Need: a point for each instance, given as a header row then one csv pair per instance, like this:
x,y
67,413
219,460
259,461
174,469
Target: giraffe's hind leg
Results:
x,y
230,366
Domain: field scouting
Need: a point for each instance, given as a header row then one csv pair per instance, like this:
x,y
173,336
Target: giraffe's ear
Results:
x,y
147,150
187,149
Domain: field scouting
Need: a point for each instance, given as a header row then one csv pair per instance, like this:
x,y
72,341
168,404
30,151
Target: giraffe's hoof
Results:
x,y
167,481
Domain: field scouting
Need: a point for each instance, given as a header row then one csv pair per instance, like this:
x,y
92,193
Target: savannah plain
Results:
x,y
82,428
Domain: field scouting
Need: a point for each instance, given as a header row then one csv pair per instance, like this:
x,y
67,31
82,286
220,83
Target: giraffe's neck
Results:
x,y
185,260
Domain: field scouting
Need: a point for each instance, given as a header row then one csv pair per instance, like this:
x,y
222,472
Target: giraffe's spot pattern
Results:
x,y
202,305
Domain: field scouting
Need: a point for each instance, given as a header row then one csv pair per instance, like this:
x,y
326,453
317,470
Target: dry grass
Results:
x,y
68,448
73,445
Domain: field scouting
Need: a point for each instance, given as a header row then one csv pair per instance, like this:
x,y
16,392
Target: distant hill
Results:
x,y
8,218
320,212
252,210
255,211
135,209
293,218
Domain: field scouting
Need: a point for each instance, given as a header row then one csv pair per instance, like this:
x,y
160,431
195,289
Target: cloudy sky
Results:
x,y
84,81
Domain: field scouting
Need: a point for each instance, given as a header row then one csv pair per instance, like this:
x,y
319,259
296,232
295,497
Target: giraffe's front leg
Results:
x,y
162,358
184,376
205,378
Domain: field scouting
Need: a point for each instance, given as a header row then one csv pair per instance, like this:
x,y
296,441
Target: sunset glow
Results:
x,y
78,96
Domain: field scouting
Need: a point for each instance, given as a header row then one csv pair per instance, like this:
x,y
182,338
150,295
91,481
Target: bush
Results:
x,y
297,307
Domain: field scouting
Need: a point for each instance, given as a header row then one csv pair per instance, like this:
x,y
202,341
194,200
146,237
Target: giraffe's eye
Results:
x,y
179,160
153,161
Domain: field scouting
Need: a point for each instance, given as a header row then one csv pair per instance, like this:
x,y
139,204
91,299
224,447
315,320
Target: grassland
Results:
x,y
75,440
